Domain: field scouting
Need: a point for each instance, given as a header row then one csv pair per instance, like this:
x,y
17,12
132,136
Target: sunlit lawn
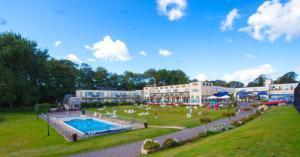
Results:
x,y
275,134
167,116
22,135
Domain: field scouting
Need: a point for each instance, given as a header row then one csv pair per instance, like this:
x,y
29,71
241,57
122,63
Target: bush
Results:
x,y
192,139
202,135
170,143
228,113
237,123
44,107
220,128
151,145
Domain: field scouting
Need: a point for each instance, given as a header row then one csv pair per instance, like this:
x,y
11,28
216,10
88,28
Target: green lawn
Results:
x,y
275,134
22,135
168,116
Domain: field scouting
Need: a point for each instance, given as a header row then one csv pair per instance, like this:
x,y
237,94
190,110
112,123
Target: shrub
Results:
x,y
228,114
170,143
220,128
192,139
44,107
151,145
237,123
263,108
202,135
247,109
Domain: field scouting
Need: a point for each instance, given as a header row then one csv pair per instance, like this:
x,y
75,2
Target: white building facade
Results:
x,y
102,96
192,93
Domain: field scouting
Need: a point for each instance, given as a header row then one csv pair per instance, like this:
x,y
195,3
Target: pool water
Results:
x,y
90,125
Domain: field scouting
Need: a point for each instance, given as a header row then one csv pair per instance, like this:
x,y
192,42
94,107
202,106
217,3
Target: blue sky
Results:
x,y
173,34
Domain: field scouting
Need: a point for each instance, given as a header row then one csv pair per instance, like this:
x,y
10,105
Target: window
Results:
x,y
175,90
195,84
176,86
195,90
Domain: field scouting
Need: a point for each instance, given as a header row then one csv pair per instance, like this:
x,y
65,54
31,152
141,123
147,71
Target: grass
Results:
x,y
167,116
275,134
22,135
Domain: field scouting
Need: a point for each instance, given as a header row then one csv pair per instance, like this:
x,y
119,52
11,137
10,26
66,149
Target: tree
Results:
x,y
61,80
259,81
22,64
228,113
235,84
85,78
219,83
289,77
101,78
164,77
205,119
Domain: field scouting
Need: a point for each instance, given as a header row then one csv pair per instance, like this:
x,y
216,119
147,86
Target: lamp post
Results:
x,y
134,113
48,124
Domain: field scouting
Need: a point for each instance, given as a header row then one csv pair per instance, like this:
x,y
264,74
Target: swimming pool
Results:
x,y
88,126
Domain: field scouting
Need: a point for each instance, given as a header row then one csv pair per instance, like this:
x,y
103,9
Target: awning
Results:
x,y
212,97
262,93
225,97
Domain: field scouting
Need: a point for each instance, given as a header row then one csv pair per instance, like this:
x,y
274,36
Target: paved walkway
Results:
x,y
133,149
166,127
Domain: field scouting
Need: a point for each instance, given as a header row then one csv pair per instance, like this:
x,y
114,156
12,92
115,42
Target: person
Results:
x,y
155,115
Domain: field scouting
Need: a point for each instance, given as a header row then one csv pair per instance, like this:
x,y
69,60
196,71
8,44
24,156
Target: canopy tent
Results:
x,y
220,94
242,94
212,97
225,97
262,93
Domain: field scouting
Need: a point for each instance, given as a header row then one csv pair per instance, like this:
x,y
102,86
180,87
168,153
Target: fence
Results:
x,y
61,128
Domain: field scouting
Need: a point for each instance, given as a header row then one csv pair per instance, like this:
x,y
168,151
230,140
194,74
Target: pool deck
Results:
x,y
55,120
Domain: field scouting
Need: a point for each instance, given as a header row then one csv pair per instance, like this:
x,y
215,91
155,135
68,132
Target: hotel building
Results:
x,y
192,93
101,96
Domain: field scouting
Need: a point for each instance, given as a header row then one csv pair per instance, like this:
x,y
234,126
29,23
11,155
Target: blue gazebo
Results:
x,y
262,93
220,94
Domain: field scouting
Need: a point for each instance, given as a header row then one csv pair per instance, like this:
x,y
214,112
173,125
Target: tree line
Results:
x,y
29,75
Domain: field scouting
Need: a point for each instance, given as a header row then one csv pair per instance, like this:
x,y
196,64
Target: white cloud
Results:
x,y
229,41
57,43
110,50
173,9
143,53
73,58
164,52
273,20
227,23
92,59
249,56
201,77
247,75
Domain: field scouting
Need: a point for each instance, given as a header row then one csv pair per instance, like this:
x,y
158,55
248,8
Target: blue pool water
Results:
x,y
90,125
